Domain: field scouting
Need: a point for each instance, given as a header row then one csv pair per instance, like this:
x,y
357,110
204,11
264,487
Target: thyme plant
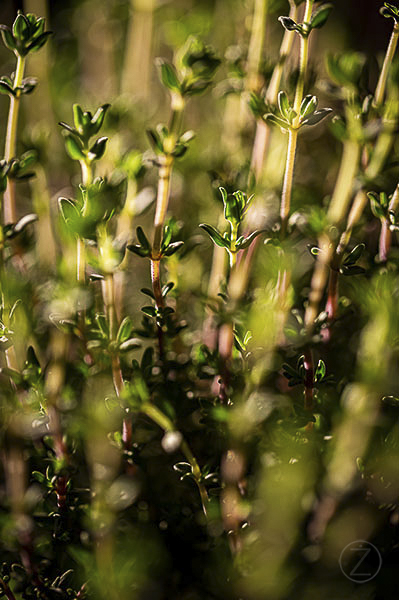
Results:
x,y
199,394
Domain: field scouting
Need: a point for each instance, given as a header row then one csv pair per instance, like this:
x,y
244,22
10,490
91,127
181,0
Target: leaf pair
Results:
x,y
7,87
317,20
86,126
163,142
308,115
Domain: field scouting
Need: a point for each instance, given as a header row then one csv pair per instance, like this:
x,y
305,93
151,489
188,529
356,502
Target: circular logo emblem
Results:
x,y
360,561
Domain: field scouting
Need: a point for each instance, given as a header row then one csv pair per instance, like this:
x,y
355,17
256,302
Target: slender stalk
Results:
x,y
166,424
254,81
7,591
54,384
159,301
293,132
164,180
117,377
288,181
343,188
381,151
10,214
382,81
163,194
87,178
263,130
285,50
136,74
336,213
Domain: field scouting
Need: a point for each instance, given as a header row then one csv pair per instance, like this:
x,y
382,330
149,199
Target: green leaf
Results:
x,y
21,28
320,16
149,310
246,242
125,329
349,270
6,88
215,236
274,120
78,118
38,476
68,128
27,159
223,193
172,248
130,344
167,236
166,288
39,42
142,238
98,118
284,105
155,140
148,292
69,211
354,255
168,75
103,325
28,85
8,38
187,137
390,11
288,23
138,250
317,116
308,106
98,148
314,250
377,210
74,148
24,222
320,371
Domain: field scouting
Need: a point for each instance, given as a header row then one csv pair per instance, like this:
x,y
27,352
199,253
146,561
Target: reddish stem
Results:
x,y
385,241
8,593
159,300
332,302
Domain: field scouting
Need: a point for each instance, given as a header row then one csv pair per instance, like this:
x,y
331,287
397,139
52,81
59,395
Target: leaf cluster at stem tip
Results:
x,y
235,208
308,115
144,249
317,20
193,69
26,34
77,138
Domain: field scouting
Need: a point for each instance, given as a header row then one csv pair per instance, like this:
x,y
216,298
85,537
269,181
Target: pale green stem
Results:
x,y
11,141
109,301
285,49
288,180
293,133
337,211
233,252
343,188
10,215
382,81
87,178
254,81
262,135
163,193
303,63
166,424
